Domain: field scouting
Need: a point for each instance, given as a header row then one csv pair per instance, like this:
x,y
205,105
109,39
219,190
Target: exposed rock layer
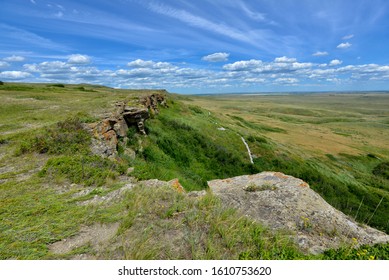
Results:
x,y
106,133
283,202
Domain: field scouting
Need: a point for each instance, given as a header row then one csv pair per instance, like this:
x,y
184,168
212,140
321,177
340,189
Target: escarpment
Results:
x,y
127,113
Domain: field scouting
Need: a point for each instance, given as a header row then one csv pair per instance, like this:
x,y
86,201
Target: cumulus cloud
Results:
x,y
139,63
320,53
243,65
216,57
79,59
14,75
285,59
282,71
4,64
287,80
280,65
344,45
335,62
14,58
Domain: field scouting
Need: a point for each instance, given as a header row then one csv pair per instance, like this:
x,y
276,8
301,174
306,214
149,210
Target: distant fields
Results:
x,y
316,124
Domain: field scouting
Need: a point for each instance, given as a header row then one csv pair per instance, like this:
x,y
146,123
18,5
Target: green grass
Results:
x,y
209,230
336,143
44,149
176,147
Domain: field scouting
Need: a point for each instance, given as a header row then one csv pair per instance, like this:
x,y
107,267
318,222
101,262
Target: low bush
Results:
x,y
67,137
382,170
87,170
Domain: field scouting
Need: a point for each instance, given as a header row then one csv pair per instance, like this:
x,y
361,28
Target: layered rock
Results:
x,y
106,133
283,202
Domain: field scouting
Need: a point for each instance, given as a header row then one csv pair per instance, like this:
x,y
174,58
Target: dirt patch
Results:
x,y
97,235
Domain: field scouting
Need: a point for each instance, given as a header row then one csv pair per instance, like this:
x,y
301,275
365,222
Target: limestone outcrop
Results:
x,y
108,132
283,202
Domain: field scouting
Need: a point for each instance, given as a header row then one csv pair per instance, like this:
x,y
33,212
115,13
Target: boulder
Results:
x,y
283,202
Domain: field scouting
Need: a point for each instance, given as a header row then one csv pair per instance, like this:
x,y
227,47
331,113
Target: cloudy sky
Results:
x,y
198,46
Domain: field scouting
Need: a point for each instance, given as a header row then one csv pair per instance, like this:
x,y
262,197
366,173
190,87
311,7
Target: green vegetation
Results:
x,y
47,171
66,137
376,252
344,158
86,170
211,231
177,148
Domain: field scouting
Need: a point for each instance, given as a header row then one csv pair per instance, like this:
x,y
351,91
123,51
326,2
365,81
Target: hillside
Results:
x,y
61,199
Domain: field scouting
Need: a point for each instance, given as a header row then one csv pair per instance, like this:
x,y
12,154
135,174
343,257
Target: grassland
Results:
x,y
337,143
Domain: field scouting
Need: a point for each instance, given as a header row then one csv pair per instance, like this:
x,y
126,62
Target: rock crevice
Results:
x,y
107,132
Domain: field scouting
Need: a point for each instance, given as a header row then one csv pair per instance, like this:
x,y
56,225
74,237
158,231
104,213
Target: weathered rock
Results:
x,y
136,116
121,127
106,133
284,202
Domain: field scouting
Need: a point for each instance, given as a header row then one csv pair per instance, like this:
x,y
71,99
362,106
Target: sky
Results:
x,y
201,46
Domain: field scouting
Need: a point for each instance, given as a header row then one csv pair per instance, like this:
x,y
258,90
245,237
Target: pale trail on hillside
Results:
x,y
248,150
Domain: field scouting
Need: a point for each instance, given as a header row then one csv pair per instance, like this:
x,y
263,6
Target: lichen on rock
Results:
x,y
107,132
286,203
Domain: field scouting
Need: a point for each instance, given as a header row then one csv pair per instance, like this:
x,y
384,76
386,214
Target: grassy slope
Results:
x,y
183,142
337,143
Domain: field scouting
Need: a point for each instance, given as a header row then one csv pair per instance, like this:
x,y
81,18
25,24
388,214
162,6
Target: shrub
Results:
x,y
67,137
58,85
88,170
382,170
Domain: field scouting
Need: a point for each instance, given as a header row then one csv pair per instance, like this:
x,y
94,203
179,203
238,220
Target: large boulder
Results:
x,y
283,202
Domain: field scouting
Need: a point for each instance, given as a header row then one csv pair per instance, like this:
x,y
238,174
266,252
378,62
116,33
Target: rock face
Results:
x,y
106,133
283,202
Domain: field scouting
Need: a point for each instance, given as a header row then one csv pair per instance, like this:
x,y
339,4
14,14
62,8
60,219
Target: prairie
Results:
x,y
335,142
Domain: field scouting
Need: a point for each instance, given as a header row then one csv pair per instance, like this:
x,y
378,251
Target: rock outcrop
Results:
x,y
283,202
108,132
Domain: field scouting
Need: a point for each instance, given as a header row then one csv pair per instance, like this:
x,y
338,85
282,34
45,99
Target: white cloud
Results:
x,y
14,75
243,65
79,59
344,45
33,2
320,53
254,80
58,14
4,64
252,14
287,80
282,71
139,63
48,67
216,57
335,62
348,37
285,59
14,58
199,22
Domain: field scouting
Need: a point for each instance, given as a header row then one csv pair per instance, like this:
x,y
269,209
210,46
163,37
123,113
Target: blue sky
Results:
x,y
200,46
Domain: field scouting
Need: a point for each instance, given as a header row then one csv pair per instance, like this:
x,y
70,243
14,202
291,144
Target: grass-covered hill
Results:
x,y
48,174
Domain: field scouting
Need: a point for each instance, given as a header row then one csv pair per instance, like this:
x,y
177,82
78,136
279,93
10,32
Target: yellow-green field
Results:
x,y
314,124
